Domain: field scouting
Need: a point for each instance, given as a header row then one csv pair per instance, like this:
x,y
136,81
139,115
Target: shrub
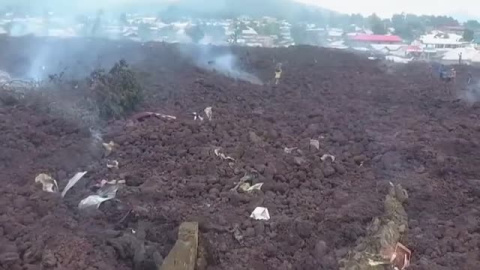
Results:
x,y
117,92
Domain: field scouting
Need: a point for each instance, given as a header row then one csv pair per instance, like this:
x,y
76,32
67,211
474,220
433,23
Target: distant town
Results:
x,y
390,39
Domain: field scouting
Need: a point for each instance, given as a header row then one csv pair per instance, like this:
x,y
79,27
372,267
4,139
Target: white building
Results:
x,y
442,42
469,54
285,39
335,34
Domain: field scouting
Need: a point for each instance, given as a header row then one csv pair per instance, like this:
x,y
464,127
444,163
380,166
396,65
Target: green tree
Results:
x,y
236,27
338,20
268,29
84,25
97,24
377,25
472,24
144,31
468,35
357,20
117,92
123,19
195,33
299,34
217,32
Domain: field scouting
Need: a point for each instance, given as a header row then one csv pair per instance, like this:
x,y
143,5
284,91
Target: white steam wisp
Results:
x,y
223,63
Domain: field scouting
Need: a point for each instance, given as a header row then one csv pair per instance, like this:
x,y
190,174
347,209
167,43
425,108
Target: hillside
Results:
x,y
282,9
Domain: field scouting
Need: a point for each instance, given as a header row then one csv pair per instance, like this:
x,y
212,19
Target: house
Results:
x,y
285,38
366,39
440,41
413,50
469,54
457,30
334,34
248,37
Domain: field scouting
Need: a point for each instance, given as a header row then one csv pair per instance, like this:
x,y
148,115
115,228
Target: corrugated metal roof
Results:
x,y
376,38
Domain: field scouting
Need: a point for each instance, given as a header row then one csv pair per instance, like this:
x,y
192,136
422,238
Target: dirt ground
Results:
x,y
383,123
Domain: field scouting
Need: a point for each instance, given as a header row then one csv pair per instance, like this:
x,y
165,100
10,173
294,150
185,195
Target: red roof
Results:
x,y
376,38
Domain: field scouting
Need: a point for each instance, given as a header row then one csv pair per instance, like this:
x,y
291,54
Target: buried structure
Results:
x,y
324,149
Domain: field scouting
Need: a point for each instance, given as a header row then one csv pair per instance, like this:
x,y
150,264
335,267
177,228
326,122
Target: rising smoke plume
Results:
x,y
223,62
471,95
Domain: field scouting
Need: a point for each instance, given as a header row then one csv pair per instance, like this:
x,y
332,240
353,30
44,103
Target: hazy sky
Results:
x,y
386,8
460,9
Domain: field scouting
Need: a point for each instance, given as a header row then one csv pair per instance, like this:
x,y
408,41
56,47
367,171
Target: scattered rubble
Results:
x,y
109,147
93,201
318,218
107,191
246,179
326,157
381,246
315,143
112,164
289,150
183,255
74,180
48,183
237,234
260,213
209,113
196,117
141,116
246,187
222,155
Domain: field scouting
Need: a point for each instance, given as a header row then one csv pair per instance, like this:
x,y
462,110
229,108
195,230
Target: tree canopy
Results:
x,y
195,33
377,25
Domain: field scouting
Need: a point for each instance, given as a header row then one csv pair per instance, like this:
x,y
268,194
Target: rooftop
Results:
x,y
376,38
249,31
441,38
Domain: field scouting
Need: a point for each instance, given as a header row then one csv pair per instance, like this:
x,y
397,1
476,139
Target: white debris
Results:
x,y
92,200
324,157
246,187
197,117
166,116
289,150
4,77
49,184
74,180
376,263
315,143
112,164
209,113
237,234
108,147
243,180
111,182
107,191
260,213
222,155
142,115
